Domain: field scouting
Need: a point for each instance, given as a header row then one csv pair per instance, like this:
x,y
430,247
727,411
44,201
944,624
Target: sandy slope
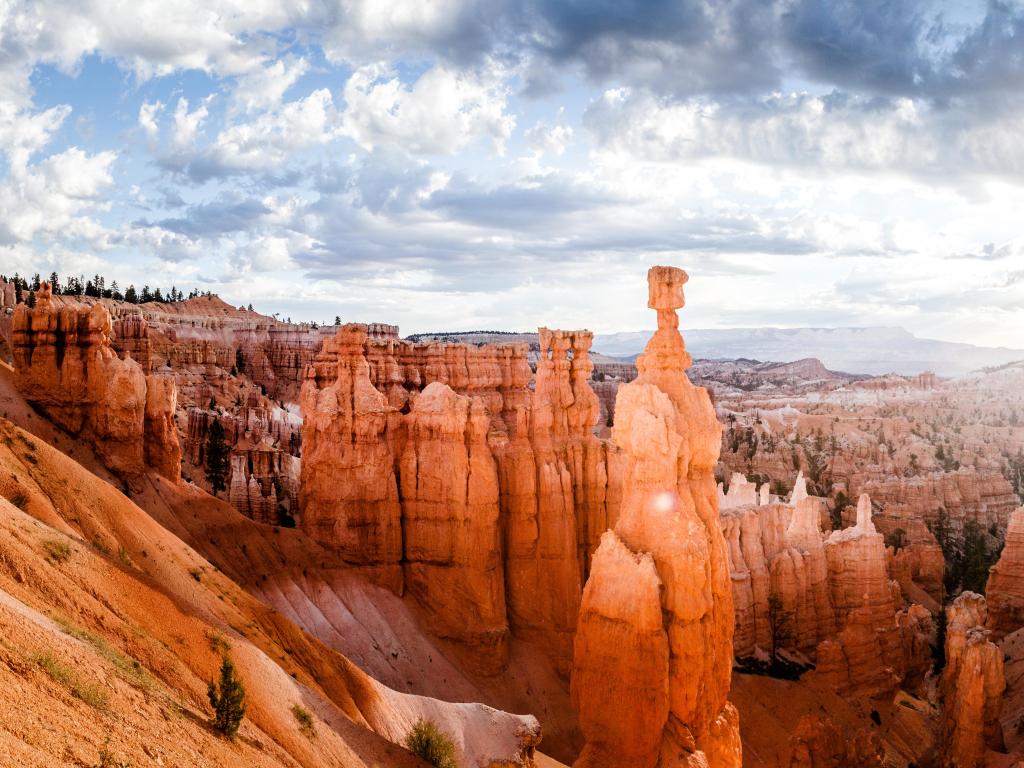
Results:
x,y
144,598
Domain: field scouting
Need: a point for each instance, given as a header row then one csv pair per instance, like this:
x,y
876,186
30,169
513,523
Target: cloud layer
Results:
x,y
504,164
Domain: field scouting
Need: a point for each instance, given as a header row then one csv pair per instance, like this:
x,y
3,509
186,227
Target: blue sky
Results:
x,y
458,164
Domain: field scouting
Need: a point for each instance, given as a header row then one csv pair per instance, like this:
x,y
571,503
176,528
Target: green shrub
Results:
x,y
227,700
430,743
57,551
304,719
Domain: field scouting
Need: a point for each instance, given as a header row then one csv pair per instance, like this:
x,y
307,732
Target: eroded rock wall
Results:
x,y
66,365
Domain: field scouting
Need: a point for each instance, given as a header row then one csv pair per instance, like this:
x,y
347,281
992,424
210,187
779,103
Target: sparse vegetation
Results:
x,y
217,642
227,699
128,668
90,693
57,551
216,458
430,743
107,758
304,719
20,500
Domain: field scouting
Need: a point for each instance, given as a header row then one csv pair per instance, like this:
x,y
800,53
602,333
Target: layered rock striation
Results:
x,y
66,365
413,453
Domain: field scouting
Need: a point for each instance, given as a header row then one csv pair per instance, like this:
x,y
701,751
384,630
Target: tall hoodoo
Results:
x,y
972,685
349,492
865,602
449,485
1005,589
670,438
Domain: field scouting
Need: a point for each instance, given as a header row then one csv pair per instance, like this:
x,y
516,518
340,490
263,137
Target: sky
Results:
x,y
488,164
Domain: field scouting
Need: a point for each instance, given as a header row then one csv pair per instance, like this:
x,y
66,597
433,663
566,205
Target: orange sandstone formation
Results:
x,y
413,453
348,491
449,488
866,656
972,685
1005,589
818,743
666,553
66,366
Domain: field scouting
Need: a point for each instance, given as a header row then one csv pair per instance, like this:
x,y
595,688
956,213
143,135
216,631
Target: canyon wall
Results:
x,y
412,490
831,599
653,653
66,366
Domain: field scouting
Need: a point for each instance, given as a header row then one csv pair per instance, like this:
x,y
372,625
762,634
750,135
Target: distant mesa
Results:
x,y
873,350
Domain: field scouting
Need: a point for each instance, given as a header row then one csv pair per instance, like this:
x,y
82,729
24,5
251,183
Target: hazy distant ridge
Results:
x,y
873,350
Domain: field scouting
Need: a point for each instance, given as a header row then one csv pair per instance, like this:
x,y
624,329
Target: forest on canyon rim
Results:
x,y
488,549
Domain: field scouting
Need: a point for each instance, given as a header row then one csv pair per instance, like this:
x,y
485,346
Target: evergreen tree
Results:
x,y
36,282
216,458
54,282
146,295
337,319
31,302
227,699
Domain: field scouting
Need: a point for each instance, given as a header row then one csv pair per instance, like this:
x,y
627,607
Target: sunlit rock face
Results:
x,y
866,657
66,365
1005,588
349,490
437,468
667,532
972,685
818,743
452,539
830,599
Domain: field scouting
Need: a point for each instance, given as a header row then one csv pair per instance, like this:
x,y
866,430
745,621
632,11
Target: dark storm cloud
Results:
x,y
726,48
872,44
676,47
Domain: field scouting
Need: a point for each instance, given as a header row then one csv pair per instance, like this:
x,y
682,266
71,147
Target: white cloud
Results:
x,y
23,133
552,140
442,112
269,140
264,88
48,199
147,118
809,131
187,124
